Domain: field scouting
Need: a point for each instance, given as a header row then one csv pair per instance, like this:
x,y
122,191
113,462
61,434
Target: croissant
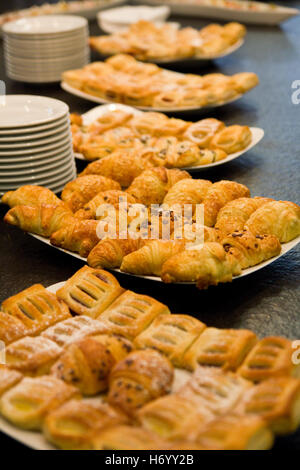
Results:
x,y
149,259
218,195
109,253
208,265
85,364
42,220
111,196
120,166
78,192
187,191
235,214
141,377
30,195
279,218
151,186
250,249
79,236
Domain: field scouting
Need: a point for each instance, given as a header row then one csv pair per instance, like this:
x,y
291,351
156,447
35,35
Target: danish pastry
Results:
x,y
141,377
232,139
172,335
202,132
79,236
11,328
8,378
30,196
126,438
27,404
90,291
132,313
118,346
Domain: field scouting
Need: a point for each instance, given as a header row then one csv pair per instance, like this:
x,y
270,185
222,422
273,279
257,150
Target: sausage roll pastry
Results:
x,y
30,195
86,364
279,218
152,185
225,349
126,438
234,215
109,253
80,191
271,357
141,377
79,236
218,195
90,291
172,335
36,308
232,139
118,346
73,425
202,132
236,432
68,331
32,356
188,191
149,259
42,220
8,378
132,313
275,400
113,197
250,249
27,404
208,266
11,328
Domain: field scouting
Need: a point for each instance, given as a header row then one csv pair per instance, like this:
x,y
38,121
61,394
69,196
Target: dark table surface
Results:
x,y
267,301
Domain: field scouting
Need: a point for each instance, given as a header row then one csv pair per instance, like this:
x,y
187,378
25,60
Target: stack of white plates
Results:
x,y
35,143
40,49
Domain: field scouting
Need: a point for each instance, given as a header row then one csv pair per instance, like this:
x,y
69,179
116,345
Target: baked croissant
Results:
x,y
151,186
218,195
250,249
30,195
79,236
142,376
112,196
149,259
121,166
42,220
80,191
235,214
109,253
86,364
208,266
279,218
187,191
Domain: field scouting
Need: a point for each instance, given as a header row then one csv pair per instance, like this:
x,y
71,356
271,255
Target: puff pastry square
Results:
x,y
275,400
68,331
90,291
132,313
27,404
8,378
271,357
220,348
36,308
170,334
32,356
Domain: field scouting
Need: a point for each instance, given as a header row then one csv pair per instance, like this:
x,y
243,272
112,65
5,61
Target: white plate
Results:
x,y
38,53
20,131
46,45
132,14
42,175
38,166
98,111
285,248
32,137
95,99
272,16
45,25
63,141
39,156
60,134
28,110
46,61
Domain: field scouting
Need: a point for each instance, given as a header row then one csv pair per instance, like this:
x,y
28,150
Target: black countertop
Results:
x,y
267,301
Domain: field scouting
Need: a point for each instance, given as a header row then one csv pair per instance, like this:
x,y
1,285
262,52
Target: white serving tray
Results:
x,y
95,99
98,111
285,248
267,17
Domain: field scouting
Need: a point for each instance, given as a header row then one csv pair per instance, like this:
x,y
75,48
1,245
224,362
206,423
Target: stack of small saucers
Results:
x,y
40,49
35,143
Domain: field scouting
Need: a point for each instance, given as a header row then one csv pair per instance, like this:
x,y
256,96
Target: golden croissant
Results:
x,y
79,236
109,253
188,191
112,197
30,195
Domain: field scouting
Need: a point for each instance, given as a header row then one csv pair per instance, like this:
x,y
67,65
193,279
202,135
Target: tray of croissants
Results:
x,y
90,365
240,233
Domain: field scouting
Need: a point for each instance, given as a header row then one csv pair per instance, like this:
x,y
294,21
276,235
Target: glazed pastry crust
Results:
x,y
30,195
188,191
80,236
113,197
90,291
109,253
